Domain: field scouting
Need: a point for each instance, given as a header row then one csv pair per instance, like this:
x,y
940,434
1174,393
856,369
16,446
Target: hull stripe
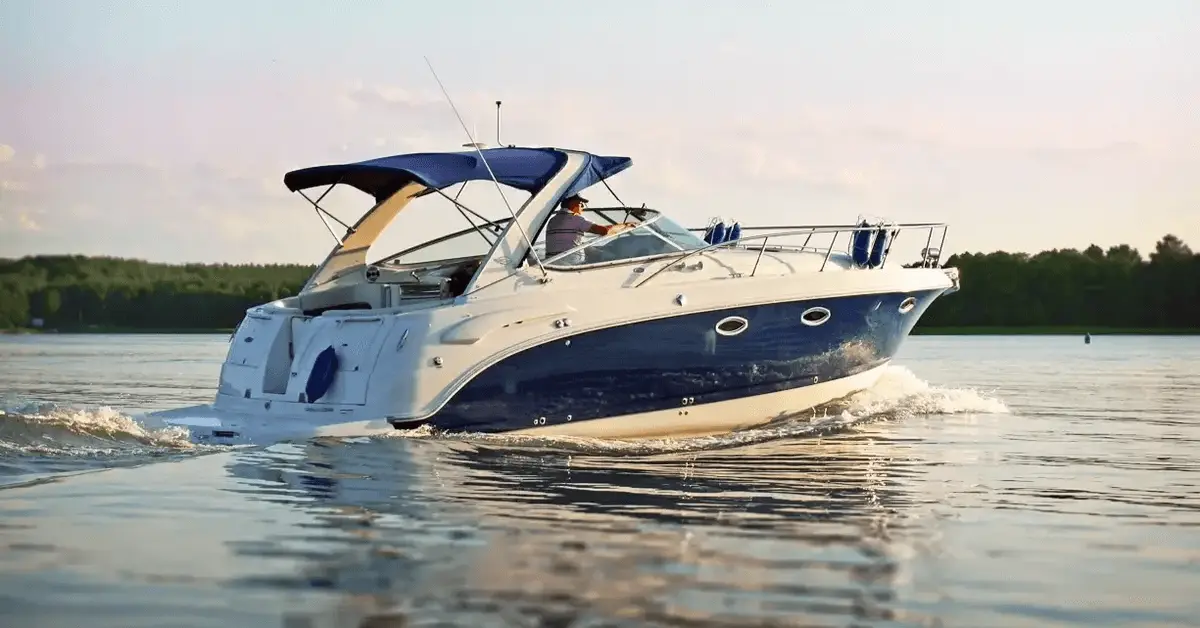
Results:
x,y
672,363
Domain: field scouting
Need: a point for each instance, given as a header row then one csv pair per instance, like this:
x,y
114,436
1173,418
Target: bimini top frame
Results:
x,y
549,174
527,169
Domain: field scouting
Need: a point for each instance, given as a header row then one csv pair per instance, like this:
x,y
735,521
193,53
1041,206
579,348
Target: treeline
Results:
x,y
78,292
1116,288
1067,287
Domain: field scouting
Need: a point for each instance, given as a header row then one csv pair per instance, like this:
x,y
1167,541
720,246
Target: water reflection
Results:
x,y
484,533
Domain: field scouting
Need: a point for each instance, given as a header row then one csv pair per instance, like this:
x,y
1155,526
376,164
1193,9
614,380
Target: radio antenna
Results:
x,y
486,165
498,142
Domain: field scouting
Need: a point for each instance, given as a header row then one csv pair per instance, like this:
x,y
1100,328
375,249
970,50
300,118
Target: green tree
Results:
x,y
1111,288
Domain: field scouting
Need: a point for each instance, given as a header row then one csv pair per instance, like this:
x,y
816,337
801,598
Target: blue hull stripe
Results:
x,y
657,364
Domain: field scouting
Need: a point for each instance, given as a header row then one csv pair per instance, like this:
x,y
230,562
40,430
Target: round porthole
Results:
x,y
907,305
814,316
732,325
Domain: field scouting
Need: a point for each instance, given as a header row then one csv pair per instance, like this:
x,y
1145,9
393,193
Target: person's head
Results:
x,y
574,203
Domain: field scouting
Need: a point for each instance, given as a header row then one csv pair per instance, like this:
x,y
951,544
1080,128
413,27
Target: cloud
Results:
x,y
201,211
390,98
19,220
732,49
180,197
774,165
1124,148
891,135
26,222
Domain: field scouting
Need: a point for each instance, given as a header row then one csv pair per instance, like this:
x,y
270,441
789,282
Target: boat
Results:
x,y
651,332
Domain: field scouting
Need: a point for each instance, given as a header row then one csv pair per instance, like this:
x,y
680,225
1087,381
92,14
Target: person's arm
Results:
x,y
605,230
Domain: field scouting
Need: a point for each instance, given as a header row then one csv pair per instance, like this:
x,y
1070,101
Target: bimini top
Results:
x,y
526,169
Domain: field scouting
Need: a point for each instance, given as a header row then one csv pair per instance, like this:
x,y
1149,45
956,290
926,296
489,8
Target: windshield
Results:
x,y
678,235
465,243
654,234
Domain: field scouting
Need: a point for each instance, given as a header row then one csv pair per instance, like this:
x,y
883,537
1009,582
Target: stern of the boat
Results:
x,y
287,375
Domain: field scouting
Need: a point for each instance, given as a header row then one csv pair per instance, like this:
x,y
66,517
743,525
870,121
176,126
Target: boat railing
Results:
x,y
930,255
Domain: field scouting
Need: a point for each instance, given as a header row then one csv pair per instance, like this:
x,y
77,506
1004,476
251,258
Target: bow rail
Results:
x,y
930,256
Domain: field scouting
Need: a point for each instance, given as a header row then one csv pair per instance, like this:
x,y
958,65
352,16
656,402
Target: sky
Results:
x,y
162,130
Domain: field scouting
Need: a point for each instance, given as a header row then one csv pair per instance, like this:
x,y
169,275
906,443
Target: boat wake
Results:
x,y
52,431
899,394
47,429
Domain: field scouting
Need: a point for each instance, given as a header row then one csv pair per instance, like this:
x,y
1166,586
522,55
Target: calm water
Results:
x,y
1001,482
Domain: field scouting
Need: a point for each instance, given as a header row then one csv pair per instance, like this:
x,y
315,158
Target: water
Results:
x,y
985,482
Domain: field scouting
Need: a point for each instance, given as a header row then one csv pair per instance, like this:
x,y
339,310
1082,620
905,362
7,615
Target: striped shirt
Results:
x,y
565,231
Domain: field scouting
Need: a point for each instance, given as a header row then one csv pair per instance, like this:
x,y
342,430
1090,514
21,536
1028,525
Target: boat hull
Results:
x,y
697,372
718,417
677,375
211,425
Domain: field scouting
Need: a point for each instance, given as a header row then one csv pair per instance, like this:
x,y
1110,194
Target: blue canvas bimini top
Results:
x,y
526,169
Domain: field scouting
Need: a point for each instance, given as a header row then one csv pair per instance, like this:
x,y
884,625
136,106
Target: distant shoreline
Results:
x,y
1073,330
117,330
1050,330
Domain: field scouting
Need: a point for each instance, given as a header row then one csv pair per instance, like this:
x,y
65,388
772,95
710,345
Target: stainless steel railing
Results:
x,y
930,256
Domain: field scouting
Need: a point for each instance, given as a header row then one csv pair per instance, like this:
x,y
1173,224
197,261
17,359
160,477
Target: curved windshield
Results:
x,y
654,234
672,231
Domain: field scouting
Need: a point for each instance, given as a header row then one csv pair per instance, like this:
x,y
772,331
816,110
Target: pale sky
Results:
x,y
162,130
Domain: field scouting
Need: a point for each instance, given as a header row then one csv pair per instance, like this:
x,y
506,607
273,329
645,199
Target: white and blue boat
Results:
x,y
655,331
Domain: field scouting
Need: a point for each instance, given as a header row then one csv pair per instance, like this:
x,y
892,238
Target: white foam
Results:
x,y
48,428
898,394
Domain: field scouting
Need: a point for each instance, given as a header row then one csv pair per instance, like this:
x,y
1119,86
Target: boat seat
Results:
x,y
370,296
350,297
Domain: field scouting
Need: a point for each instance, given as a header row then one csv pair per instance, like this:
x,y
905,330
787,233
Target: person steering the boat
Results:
x,y
567,226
